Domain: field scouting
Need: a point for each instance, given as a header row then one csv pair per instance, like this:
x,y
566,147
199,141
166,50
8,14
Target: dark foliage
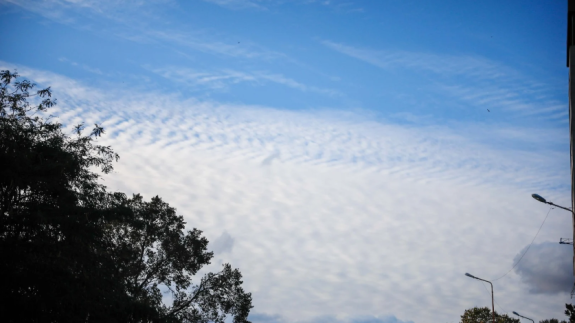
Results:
x,y
552,321
154,252
73,252
484,314
570,312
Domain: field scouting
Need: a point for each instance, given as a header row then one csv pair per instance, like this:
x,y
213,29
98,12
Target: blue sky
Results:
x,y
352,158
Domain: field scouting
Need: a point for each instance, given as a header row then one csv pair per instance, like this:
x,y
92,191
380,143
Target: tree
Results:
x,y
484,315
73,251
570,312
50,234
153,251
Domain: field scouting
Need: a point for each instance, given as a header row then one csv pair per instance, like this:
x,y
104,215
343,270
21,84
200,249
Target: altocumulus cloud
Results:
x,y
546,268
266,318
355,219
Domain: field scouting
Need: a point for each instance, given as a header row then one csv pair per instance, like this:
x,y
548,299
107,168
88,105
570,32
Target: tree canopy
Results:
x,y
72,251
484,315
552,321
570,312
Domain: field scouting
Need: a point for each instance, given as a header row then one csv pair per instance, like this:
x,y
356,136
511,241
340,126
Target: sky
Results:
x,y
354,159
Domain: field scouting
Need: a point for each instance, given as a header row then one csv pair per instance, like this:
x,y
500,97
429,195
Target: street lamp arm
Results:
x,y
527,318
523,316
484,281
559,206
492,299
543,200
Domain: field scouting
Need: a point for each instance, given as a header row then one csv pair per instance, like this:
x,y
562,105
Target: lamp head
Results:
x,y
539,198
469,275
516,313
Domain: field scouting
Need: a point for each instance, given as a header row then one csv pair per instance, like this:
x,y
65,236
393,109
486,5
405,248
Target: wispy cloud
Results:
x,y
141,21
221,80
65,11
82,66
335,5
238,4
440,64
230,48
473,80
510,96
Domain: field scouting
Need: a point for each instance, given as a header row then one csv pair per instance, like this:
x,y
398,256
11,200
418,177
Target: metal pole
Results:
x,y
492,299
570,59
559,206
492,302
571,130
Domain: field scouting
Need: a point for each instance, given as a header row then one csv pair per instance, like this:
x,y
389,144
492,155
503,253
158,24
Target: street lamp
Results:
x,y
492,300
542,200
539,197
523,316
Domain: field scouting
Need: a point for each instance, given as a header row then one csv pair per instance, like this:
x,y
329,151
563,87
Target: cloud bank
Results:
x,y
351,219
547,268
265,318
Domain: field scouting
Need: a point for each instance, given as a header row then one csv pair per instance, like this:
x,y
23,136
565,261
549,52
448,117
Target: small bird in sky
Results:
x,y
488,110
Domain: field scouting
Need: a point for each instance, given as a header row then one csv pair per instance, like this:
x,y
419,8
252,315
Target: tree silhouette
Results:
x,y
570,312
484,315
552,321
73,251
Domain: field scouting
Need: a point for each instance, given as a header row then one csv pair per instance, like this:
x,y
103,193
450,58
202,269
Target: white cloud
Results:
x,y
82,66
353,218
226,46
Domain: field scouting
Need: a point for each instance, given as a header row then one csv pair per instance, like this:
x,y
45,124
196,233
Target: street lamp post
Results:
x,y
523,316
542,200
492,299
